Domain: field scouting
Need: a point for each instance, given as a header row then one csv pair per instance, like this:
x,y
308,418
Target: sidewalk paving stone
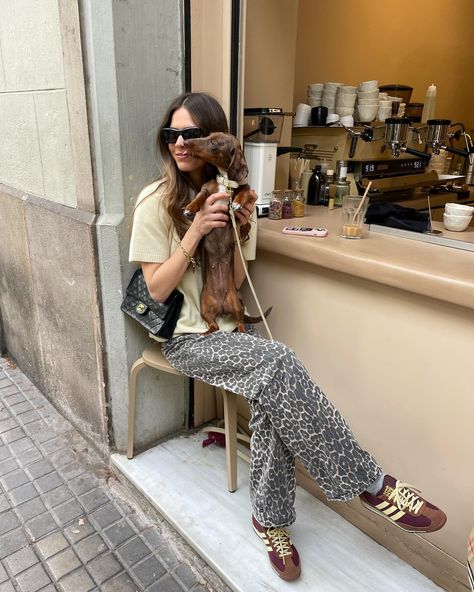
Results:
x,y
78,581
33,579
63,563
62,527
21,560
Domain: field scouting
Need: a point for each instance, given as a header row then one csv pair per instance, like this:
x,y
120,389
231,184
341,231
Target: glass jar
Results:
x,y
297,205
276,205
287,210
343,188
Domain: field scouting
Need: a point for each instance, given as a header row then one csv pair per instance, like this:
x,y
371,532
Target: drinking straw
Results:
x,y
361,202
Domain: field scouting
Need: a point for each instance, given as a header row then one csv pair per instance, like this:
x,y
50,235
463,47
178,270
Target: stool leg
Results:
x,y
230,426
132,395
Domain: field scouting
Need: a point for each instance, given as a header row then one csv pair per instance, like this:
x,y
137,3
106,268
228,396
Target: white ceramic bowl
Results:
x,y
369,85
383,114
344,111
458,209
368,102
367,112
370,94
347,120
347,90
345,101
456,223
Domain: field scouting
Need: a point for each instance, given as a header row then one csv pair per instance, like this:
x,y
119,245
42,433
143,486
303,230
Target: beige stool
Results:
x,y
153,357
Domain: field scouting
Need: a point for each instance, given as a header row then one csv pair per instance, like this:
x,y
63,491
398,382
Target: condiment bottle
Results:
x,y
275,206
297,205
341,169
314,186
328,185
287,210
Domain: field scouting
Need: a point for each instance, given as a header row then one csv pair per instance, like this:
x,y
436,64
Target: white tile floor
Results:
x,y
187,484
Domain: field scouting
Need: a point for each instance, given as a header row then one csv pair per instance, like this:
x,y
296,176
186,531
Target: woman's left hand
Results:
x,y
242,216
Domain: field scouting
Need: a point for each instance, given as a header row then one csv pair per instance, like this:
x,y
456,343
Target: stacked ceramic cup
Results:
x,y
385,107
345,101
367,101
457,217
328,98
315,93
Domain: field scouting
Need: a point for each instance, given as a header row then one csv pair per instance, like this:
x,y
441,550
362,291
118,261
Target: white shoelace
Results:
x,y
281,541
403,497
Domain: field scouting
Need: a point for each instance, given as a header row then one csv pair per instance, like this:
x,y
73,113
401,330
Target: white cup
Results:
x,y
456,223
302,115
347,120
332,118
458,209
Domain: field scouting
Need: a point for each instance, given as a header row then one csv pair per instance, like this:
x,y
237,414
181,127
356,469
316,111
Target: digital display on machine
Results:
x,y
393,167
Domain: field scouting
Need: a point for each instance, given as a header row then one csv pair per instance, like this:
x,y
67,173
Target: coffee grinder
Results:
x,y
262,132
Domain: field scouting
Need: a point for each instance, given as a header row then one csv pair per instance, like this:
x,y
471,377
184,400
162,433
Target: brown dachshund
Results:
x,y
219,294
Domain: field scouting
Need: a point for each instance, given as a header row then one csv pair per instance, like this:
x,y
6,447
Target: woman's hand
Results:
x,y
242,216
213,214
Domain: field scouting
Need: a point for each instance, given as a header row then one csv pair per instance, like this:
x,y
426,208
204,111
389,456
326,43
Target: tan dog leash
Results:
x,y
244,263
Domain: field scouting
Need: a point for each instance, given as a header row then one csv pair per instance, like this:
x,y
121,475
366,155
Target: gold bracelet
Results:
x,y
189,258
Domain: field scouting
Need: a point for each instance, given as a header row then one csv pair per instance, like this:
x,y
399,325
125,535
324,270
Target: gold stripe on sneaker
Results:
x,y
382,505
390,513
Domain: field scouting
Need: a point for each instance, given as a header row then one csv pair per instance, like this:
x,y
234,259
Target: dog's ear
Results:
x,y
238,169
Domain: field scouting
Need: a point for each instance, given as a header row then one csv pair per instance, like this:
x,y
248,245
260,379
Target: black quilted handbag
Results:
x,y
159,318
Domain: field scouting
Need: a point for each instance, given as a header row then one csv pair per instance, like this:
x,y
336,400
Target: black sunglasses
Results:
x,y
171,134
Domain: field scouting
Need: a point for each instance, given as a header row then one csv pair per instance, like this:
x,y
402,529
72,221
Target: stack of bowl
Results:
x,y
367,101
329,95
315,93
457,217
345,101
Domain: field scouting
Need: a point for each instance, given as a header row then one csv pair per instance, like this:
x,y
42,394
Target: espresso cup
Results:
x,y
318,115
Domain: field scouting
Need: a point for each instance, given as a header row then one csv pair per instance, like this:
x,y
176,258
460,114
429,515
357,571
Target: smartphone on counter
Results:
x,y
305,231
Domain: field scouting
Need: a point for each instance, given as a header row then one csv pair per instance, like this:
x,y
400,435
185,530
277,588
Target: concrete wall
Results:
x,y
48,288
64,267
40,150
134,63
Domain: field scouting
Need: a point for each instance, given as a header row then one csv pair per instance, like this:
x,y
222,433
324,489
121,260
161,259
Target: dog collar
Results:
x,y
226,182
223,178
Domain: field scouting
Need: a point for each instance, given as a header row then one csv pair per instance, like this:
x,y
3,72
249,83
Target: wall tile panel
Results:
x,y
55,146
20,159
31,44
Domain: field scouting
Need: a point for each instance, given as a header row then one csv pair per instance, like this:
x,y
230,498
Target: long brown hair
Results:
x,y
208,115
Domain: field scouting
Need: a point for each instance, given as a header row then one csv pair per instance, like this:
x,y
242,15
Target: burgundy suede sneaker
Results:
x,y
400,503
282,553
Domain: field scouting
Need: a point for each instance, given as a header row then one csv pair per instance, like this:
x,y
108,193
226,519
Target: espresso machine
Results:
x,y
388,154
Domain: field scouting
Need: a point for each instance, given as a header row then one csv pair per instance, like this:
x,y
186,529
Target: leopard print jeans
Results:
x,y
291,418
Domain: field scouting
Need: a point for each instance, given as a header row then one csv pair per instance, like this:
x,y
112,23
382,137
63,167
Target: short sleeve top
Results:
x,y
154,239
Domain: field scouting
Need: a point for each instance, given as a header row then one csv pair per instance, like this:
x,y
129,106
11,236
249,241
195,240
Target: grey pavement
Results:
x,y
62,524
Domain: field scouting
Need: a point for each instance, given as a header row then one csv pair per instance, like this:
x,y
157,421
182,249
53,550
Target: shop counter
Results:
x,y
385,326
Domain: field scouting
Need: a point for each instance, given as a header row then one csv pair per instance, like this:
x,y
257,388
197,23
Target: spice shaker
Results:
x,y
276,206
297,205
287,210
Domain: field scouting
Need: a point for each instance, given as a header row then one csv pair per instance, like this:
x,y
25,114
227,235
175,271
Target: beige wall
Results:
x,y
211,68
270,50
407,42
